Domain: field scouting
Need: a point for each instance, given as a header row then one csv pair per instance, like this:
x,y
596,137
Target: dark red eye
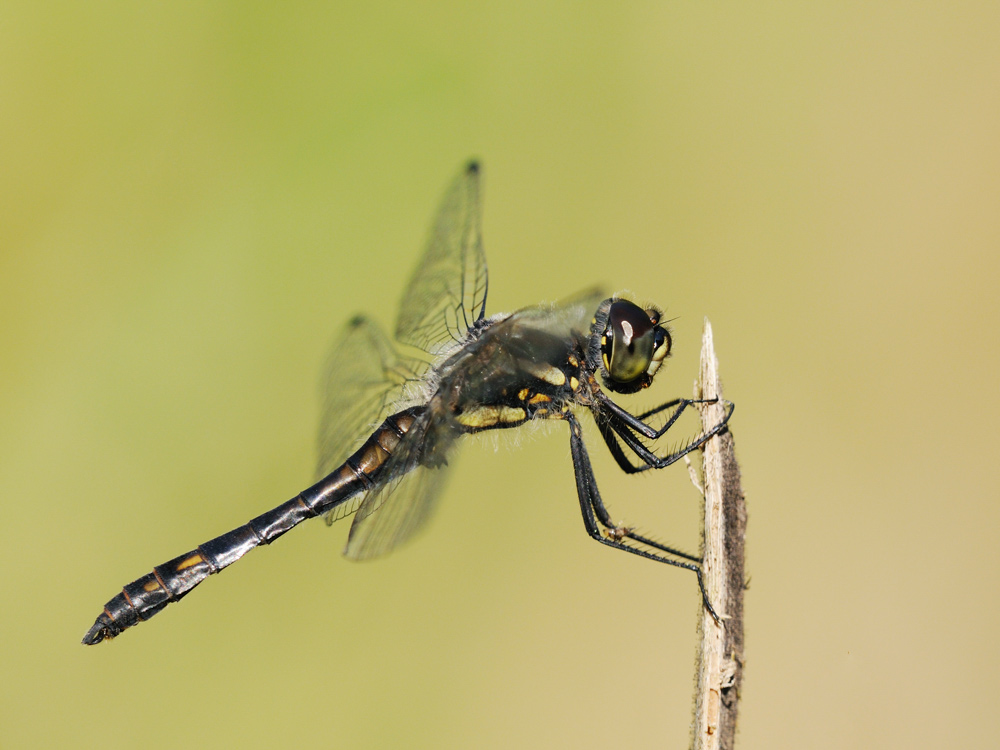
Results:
x,y
629,341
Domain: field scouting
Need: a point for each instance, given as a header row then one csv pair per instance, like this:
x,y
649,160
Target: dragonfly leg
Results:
x,y
612,421
601,511
637,423
615,448
593,508
616,531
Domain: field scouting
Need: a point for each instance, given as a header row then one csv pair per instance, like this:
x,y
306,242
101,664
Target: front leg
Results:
x,y
637,423
612,417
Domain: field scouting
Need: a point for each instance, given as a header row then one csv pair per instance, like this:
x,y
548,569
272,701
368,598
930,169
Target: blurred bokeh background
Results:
x,y
195,196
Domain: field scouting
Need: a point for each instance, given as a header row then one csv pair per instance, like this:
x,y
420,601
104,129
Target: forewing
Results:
x,y
547,333
404,499
585,301
362,380
447,292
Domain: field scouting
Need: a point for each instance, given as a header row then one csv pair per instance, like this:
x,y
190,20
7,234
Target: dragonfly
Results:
x,y
394,411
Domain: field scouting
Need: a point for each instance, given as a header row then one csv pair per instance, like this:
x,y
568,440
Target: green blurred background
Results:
x,y
196,196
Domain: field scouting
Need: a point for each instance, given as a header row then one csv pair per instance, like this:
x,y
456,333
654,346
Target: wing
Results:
x,y
405,498
544,333
447,293
413,476
362,380
586,300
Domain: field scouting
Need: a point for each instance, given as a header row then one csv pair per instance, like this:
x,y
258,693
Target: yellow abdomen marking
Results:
x,y
195,559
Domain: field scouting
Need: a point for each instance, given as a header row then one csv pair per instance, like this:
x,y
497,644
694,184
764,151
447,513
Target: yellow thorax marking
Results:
x,y
548,373
487,416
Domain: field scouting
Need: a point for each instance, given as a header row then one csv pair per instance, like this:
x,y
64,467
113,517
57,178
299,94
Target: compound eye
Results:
x,y
630,341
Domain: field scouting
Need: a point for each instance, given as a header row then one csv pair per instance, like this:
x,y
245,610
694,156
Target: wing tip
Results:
x,y
473,166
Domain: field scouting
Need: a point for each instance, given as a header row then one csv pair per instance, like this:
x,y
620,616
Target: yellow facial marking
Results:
x,y
574,361
195,559
548,373
539,398
523,393
151,586
574,383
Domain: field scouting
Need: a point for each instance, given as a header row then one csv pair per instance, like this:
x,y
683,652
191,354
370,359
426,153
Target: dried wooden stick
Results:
x,y
720,657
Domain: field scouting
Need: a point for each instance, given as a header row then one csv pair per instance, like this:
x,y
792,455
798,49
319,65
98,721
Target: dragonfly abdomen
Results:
x,y
172,580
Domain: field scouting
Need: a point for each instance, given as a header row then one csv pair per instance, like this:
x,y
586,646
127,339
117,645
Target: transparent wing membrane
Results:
x,y
403,502
363,379
447,293
366,377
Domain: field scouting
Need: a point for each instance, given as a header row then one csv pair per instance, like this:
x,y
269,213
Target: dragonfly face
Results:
x,y
392,415
631,343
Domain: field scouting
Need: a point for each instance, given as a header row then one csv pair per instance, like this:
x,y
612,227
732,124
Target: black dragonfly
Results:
x,y
393,412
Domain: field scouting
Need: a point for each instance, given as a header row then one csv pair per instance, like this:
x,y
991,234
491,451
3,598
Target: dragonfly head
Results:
x,y
627,345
